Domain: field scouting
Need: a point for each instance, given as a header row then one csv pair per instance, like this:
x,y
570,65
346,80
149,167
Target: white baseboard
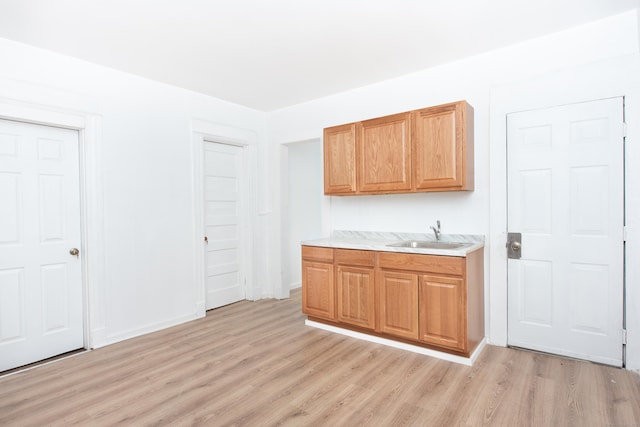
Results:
x,y
295,285
468,361
201,309
154,327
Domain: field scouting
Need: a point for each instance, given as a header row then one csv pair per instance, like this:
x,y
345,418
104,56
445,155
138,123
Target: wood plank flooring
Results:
x,y
257,364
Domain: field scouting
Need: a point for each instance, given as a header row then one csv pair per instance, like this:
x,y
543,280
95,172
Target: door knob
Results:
x,y
514,245
74,251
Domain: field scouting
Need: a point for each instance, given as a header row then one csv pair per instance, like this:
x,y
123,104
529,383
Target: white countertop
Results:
x,y
378,241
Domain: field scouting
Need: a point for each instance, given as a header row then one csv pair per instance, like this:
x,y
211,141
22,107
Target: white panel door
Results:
x,y
224,192
40,281
566,197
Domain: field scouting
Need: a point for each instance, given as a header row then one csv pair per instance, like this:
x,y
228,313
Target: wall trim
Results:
x,y
147,329
295,285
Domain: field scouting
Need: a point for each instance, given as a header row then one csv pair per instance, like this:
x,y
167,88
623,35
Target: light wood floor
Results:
x,y
256,364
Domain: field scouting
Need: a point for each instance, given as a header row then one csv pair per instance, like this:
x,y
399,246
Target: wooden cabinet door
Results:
x,y
340,159
398,304
356,295
318,290
443,311
384,154
443,147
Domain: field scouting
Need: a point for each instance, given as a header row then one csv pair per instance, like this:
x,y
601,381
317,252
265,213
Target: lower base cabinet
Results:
x,y
356,297
429,300
442,304
399,304
355,283
318,289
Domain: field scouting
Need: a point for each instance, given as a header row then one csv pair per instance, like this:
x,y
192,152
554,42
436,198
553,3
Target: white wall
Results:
x,y
472,79
146,172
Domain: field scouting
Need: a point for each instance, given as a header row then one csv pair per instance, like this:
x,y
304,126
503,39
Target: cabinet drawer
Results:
x,y
317,253
355,257
423,263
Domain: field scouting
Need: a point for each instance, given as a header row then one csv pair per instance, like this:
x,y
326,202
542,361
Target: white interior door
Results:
x,y
40,281
224,205
566,197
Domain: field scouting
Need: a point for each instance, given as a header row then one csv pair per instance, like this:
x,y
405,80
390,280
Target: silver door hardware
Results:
x,y
74,252
514,244
206,240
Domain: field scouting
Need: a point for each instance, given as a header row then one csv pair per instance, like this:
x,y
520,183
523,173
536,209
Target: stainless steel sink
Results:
x,y
420,244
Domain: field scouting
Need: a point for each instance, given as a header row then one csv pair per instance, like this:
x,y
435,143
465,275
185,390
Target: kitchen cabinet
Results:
x,y
399,304
383,158
340,159
441,303
449,297
430,149
355,287
430,300
443,148
318,290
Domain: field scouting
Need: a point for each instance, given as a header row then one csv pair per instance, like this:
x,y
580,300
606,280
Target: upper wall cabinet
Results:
x,y
443,148
383,158
340,159
423,150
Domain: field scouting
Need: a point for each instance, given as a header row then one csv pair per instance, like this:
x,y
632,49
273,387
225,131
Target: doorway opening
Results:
x,y
304,207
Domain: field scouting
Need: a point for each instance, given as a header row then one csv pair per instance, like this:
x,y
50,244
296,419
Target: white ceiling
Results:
x,y
271,54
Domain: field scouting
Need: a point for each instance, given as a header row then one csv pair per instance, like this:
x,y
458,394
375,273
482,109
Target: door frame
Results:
x,y
607,348
205,131
88,127
613,78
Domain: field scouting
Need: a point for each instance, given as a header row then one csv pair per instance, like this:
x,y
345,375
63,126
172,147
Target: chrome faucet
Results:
x,y
437,231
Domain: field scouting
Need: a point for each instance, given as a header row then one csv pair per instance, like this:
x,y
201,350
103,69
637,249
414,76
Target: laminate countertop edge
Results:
x,y
379,241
